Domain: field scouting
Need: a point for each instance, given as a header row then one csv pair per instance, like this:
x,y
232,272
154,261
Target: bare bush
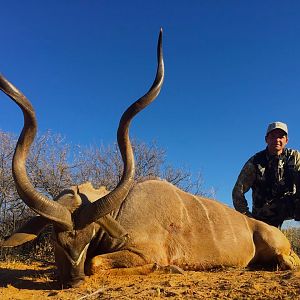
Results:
x,y
54,165
103,166
293,235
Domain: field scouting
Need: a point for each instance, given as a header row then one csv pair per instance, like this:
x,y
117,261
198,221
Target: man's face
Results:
x,y
276,140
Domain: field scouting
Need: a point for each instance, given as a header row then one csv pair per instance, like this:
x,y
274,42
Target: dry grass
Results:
x,y
293,234
29,273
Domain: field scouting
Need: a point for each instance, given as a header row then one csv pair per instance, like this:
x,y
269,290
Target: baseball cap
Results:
x,y
277,125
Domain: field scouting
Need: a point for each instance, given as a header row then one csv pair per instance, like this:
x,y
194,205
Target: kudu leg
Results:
x,y
126,263
118,262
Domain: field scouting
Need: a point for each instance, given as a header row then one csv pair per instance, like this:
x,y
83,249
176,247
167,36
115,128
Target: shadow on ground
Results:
x,y
29,278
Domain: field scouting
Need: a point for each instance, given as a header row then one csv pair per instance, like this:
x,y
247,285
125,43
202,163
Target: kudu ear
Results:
x,y
26,233
112,227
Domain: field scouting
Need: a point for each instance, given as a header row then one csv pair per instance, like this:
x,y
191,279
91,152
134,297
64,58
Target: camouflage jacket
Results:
x,y
269,177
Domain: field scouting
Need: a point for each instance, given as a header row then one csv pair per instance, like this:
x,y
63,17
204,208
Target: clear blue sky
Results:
x,y
231,68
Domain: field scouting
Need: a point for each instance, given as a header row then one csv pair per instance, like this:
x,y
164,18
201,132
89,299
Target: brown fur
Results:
x,y
166,225
170,227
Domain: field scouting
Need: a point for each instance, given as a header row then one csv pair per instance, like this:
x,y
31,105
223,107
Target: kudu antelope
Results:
x,y
151,223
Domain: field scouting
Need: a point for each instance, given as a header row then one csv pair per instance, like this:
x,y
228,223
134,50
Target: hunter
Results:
x,y
274,177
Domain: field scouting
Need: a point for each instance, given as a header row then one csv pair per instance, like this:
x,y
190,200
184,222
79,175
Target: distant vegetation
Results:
x,y
293,234
54,165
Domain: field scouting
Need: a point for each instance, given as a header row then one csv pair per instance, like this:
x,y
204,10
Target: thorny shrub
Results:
x,y
54,165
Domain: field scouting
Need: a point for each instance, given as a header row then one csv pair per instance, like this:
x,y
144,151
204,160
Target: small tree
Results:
x,y
50,170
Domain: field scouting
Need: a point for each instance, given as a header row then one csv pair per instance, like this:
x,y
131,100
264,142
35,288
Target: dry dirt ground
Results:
x,y
37,281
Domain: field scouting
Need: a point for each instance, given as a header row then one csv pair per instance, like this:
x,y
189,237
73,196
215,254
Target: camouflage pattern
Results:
x,y
275,185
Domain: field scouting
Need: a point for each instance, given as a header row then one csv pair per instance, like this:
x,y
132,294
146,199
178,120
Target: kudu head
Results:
x,y
78,213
